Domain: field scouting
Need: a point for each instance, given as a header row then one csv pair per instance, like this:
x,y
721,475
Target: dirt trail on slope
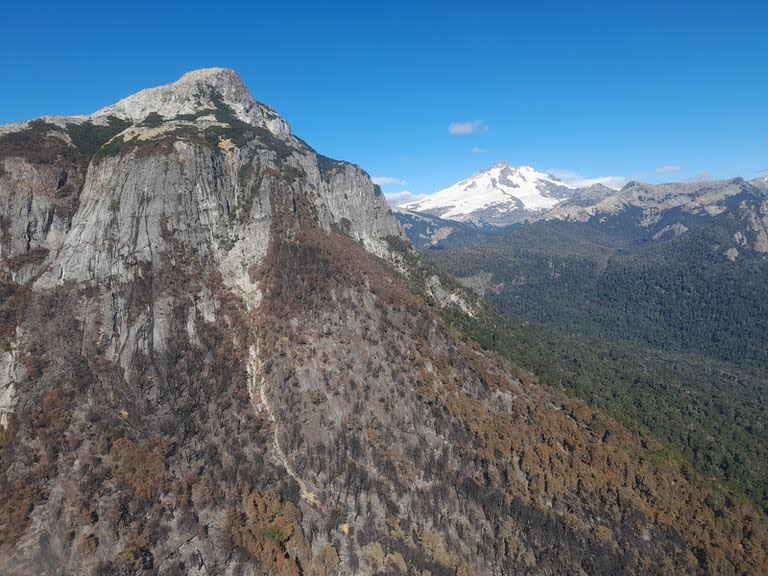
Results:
x,y
255,374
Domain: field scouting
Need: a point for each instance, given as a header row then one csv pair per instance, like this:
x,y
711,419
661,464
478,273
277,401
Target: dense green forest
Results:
x,y
676,295
670,337
710,412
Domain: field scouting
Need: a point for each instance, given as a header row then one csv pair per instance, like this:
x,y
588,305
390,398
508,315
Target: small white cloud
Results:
x,y
578,181
464,128
703,176
668,169
402,197
384,180
478,150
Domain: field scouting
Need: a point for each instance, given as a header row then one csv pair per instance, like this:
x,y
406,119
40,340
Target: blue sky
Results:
x,y
424,94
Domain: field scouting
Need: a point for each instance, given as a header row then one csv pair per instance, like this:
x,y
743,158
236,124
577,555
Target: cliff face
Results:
x,y
210,364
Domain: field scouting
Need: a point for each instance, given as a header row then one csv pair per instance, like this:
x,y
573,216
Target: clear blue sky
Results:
x,y
655,91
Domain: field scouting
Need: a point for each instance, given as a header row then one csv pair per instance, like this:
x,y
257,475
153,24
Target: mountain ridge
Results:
x,y
194,92
503,195
649,211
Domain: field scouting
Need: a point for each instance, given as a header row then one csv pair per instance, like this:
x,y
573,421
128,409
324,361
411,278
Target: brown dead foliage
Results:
x,y
36,148
48,421
13,302
34,257
263,529
141,465
572,474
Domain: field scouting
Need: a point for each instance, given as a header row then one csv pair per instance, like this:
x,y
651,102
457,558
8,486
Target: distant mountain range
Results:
x,y
497,196
428,231
504,196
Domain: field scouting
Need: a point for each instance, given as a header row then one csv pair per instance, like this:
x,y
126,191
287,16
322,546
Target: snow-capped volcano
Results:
x,y
499,195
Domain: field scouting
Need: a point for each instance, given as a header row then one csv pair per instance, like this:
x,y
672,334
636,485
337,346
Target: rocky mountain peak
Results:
x,y
213,76
500,166
497,196
196,92
505,167
227,162
761,183
631,184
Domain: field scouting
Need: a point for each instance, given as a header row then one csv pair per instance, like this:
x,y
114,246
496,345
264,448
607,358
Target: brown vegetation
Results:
x,y
526,462
263,530
141,465
48,421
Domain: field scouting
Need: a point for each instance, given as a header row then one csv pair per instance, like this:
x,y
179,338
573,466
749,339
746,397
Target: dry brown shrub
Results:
x,y
48,420
87,544
141,466
325,562
263,530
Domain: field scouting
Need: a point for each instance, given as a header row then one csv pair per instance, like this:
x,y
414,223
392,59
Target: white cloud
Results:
x,y
668,169
703,176
577,180
478,150
384,180
464,128
402,197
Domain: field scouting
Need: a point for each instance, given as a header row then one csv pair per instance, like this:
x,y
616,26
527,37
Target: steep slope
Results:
x,y
670,333
497,196
212,364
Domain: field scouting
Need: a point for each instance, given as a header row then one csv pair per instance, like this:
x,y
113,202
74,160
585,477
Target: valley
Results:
x,y
649,301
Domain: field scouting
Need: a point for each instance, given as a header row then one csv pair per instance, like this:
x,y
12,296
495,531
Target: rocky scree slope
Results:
x,y
211,363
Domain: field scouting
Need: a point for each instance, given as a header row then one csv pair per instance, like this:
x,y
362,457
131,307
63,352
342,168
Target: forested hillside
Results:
x,y
670,336
679,294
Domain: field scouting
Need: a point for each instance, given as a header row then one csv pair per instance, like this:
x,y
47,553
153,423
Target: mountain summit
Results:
x,y
196,91
499,195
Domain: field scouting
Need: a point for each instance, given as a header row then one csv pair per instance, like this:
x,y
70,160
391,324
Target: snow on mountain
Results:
x,y
499,195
